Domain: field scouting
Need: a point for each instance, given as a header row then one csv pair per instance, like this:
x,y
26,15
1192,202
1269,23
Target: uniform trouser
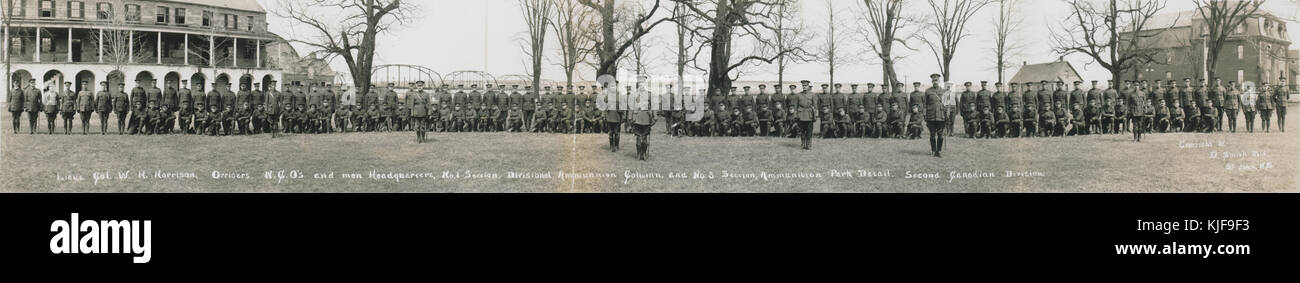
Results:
x,y
642,139
1210,123
1030,127
1138,126
1230,118
31,120
417,124
121,120
1219,126
805,133
936,135
16,117
613,133
67,121
85,121
1281,118
49,120
1265,116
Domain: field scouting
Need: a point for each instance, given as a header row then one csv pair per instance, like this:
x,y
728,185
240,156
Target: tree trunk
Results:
x,y
720,56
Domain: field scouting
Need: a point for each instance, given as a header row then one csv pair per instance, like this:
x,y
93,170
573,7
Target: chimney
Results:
x,y
1024,63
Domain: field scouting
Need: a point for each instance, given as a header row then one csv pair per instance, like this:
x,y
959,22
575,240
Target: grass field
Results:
x,y
1110,163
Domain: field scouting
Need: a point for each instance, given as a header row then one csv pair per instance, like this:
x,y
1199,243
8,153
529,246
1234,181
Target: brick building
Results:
x,y
1257,51
203,41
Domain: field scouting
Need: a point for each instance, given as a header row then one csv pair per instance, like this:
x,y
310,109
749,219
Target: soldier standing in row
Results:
x,y
642,119
806,114
103,105
1280,97
1265,105
67,106
15,102
85,105
934,116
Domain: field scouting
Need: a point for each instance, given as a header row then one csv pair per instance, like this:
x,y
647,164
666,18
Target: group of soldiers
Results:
x,y
1038,109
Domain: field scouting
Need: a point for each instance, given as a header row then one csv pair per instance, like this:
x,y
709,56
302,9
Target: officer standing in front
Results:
x,y
934,115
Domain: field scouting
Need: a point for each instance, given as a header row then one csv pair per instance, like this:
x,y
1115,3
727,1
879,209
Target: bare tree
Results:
x,y
727,20
352,34
211,50
686,41
640,50
537,15
574,27
832,50
611,46
1221,18
948,24
1095,30
791,34
887,25
1005,47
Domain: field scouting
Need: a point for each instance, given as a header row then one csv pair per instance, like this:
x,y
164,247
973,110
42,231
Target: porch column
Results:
x,y
38,45
130,46
234,55
158,45
212,52
69,45
101,45
187,49
5,57
258,43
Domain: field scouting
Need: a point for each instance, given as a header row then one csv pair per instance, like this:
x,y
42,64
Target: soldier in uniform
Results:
x,y
32,103
85,105
67,106
839,101
934,116
1015,106
1030,115
1280,97
997,103
966,98
983,100
15,102
1248,98
1231,103
1137,111
642,119
103,105
1265,105
170,98
805,115
419,105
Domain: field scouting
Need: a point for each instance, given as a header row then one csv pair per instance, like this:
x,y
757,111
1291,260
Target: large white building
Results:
x,y
202,41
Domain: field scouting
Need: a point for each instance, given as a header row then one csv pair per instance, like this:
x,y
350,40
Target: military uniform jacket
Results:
x,y
806,110
154,95
103,102
1094,95
242,97
419,103
982,100
1280,95
1202,95
1061,96
272,103
85,101
1185,96
839,100
1030,99
1231,99
169,98
229,98
183,96
998,100
390,98
68,101
918,100
1015,101
1265,100
15,100
1076,97
32,99
967,97
934,104
121,102
1136,104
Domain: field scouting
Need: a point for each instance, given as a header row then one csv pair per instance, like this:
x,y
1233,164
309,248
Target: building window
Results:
x,y
1169,58
180,16
1169,75
1240,28
207,18
47,8
16,43
250,23
1241,76
103,11
132,13
20,8
76,9
163,15
47,44
1241,52
232,21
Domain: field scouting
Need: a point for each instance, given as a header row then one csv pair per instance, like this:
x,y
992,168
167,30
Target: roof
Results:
x,y
242,5
1052,71
1168,20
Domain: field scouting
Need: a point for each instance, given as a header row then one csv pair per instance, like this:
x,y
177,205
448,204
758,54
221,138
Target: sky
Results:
x,y
484,35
